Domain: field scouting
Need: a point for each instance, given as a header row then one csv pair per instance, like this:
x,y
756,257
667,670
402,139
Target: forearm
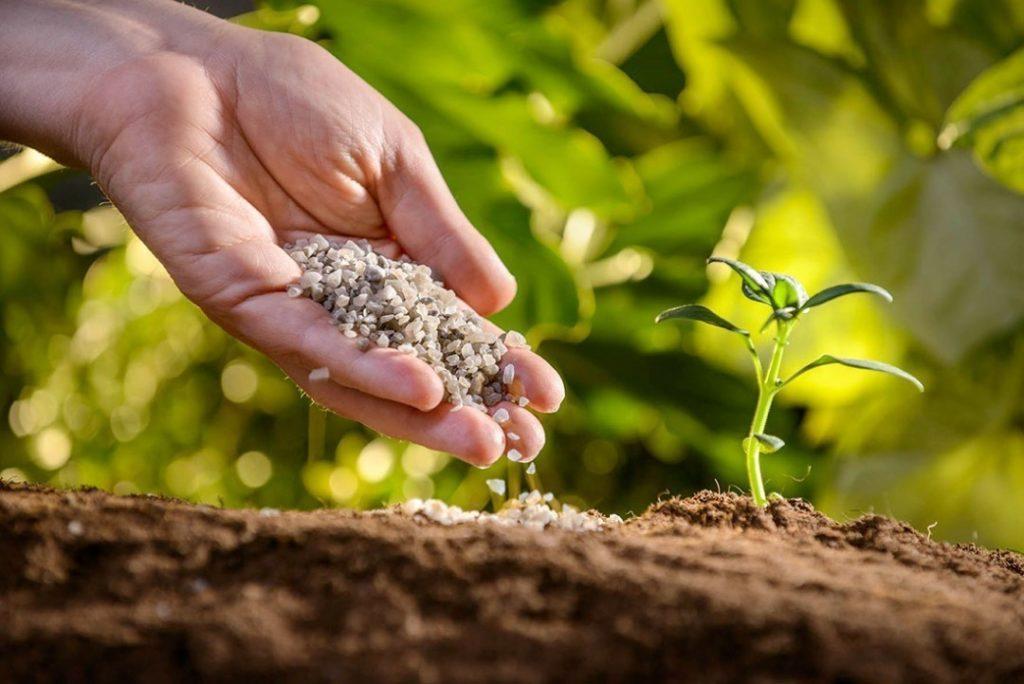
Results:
x,y
53,53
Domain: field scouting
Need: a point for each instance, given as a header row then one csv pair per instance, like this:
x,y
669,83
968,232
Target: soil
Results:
x,y
95,587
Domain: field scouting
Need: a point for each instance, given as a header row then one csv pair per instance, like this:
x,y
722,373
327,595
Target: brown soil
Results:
x,y
103,588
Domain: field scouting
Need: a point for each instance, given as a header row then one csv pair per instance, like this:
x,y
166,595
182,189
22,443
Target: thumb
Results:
x,y
420,211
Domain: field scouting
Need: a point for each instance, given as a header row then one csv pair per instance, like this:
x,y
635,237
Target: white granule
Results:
x,y
319,374
512,437
497,486
75,528
509,374
399,304
515,456
501,416
530,510
531,469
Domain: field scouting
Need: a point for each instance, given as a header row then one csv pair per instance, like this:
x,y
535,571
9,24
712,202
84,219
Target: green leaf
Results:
x,y
988,117
696,312
787,292
769,443
830,293
863,364
755,285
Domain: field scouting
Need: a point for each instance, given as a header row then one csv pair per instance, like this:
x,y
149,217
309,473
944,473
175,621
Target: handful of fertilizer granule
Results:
x,y
400,304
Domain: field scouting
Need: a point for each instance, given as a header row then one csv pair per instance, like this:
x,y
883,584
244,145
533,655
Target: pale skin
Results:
x,y
220,144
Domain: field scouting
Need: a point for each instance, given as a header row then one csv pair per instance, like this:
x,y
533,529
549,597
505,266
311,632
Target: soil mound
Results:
x,y
95,587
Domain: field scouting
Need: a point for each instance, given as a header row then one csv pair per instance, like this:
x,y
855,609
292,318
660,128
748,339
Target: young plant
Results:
x,y
788,301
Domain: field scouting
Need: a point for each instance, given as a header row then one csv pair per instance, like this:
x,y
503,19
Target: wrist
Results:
x,y
57,60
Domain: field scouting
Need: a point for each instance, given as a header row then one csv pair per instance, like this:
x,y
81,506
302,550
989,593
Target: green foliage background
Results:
x,y
606,148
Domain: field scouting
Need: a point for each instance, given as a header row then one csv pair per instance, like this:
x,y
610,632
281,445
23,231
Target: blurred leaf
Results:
x,y
830,293
713,397
819,24
691,190
694,26
862,364
572,165
989,118
915,67
547,293
464,73
696,312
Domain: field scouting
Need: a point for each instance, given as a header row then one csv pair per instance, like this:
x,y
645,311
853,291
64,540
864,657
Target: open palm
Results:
x,y
218,159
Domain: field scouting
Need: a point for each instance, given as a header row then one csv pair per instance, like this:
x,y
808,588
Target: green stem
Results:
x,y
512,479
767,387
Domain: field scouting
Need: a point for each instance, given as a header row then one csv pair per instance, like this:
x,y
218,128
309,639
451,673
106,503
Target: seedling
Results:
x,y
788,301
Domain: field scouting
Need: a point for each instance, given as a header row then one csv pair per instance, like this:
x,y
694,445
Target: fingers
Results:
x,y
468,434
535,379
523,432
420,210
300,333
240,285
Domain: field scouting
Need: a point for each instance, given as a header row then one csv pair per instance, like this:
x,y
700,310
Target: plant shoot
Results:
x,y
788,301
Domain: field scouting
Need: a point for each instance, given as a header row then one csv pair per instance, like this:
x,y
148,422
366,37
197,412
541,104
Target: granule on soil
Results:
x,y
530,509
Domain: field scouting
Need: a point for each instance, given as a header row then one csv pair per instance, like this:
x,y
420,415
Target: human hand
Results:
x,y
219,144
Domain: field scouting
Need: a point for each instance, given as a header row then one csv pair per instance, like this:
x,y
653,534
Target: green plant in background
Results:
x,y
605,147
788,300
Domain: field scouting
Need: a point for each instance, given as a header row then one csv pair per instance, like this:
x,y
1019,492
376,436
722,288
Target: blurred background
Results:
x,y
606,148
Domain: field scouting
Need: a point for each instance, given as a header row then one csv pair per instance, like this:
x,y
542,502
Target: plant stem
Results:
x,y
512,479
767,387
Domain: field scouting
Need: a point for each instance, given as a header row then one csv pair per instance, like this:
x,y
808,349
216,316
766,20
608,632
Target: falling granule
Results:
x,y
319,374
515,456
497,486
531,469
501,416
512,437
382,302
515,340
530,510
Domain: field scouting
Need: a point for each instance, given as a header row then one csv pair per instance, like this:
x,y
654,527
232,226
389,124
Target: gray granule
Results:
x,y
382,302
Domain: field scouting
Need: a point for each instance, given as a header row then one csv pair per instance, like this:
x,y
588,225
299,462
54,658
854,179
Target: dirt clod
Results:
x,y
709,588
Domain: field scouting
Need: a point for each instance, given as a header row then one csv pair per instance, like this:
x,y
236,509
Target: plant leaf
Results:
x,y
755,285
696,312
830,293
787,291
769,443
863,364
986,117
